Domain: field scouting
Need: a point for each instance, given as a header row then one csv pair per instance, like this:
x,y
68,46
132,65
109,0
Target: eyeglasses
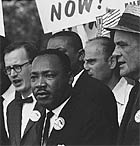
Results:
x,y
17,68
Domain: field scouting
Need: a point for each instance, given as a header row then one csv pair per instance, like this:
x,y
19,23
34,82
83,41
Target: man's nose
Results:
x,y
116,52
86,65
41,82
13,73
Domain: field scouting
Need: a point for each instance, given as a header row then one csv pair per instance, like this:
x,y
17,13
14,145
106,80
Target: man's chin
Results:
x,y
19,89
124,73
44,102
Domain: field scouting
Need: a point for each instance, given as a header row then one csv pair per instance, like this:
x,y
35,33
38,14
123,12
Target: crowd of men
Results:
x,y
69,95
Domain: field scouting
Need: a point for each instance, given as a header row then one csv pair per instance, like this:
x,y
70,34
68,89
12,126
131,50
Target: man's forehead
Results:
x,y
123,36
94,46
47,60
59,41
17,54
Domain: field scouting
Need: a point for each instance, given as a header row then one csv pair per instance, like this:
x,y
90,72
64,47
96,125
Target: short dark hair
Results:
x,y
66,64
4,42
75,40
108,45
29,47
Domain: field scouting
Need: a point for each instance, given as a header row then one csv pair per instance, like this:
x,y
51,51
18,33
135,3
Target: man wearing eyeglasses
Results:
x,y
18,105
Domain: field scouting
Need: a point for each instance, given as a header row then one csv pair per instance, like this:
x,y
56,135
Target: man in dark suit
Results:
x,y
127,40
76,119
17,60
70,43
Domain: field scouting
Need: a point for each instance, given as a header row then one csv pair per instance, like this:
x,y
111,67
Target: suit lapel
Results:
x,y
14,115
57,135
39,122
29,125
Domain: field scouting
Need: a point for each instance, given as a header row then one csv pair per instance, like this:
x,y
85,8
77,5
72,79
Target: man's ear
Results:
x,y
112,61
71,78
81,54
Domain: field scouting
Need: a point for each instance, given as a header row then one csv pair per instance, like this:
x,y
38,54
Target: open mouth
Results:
x,y
17,82
121,63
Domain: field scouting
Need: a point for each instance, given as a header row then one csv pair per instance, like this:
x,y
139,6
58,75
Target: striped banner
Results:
x,y
109,19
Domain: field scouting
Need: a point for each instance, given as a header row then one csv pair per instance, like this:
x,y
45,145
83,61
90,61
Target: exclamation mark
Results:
x,y
99,6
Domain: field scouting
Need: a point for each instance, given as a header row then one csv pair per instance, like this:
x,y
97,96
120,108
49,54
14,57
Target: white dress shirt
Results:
x,y
121,92
9,96
55,116
26,113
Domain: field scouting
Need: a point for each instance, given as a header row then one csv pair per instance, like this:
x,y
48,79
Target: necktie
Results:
x,y
14,117
26,100
47,126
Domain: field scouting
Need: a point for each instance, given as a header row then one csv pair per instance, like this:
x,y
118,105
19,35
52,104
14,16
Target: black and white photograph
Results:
x,y
69,72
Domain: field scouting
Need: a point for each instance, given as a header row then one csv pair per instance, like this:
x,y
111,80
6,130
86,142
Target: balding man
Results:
x,y
101,64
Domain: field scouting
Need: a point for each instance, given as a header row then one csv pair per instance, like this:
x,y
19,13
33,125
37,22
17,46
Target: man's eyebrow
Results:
x,y
90,60
42,72
34,73
121,43
60,48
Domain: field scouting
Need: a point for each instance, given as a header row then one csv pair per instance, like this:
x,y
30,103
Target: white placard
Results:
x,y
2,32
56,15
60,14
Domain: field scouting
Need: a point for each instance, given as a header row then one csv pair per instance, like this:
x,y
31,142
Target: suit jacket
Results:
x,y
129,132
98,93
14,119
4,82
88,121
33,131
3,134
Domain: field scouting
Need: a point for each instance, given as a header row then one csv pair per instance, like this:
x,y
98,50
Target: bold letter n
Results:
x,y
55,12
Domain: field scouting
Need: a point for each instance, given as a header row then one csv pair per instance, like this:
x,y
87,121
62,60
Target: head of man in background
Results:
x,y
51,78
70,43
17,59
127,41
99,61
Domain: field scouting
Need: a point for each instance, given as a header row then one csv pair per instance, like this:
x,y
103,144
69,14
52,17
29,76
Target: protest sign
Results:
x,y
2,33
56,15
60,14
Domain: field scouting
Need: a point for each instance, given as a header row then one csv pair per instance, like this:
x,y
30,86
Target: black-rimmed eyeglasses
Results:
x,y
17,68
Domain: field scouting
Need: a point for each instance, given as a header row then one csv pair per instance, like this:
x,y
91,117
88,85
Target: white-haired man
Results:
x,y
127,41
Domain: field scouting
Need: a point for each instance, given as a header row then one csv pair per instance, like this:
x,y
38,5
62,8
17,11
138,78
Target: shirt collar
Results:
x,y
59,108
120,90
9,94
34,99
76,78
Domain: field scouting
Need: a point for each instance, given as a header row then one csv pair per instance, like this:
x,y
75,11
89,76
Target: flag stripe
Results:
x,y
110,19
